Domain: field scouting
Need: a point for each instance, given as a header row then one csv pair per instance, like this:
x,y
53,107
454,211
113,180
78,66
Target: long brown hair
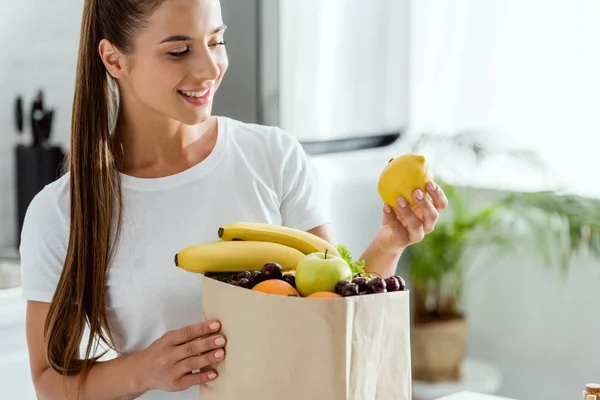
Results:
x,y
95,193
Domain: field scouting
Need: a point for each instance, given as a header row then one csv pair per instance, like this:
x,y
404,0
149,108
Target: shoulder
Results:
x,y
266,137
49,208
44,240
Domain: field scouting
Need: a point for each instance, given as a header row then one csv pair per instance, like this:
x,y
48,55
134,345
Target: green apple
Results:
x,y
319,272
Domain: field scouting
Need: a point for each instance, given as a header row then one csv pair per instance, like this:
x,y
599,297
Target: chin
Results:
x,y
194,118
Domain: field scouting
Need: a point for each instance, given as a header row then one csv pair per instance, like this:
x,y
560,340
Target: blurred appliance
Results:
x,y
332,72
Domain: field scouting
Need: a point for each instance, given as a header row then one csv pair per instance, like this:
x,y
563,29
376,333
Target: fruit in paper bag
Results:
x,y
289,278
272,270
401,177
339,287
320,272
350,289
377,285
392,284
276,286
236,256
300,240
323,295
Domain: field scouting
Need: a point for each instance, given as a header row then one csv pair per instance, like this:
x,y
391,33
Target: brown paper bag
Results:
x,y
291,348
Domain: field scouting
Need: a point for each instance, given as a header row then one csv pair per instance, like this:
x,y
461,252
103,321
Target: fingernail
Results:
x,y
212,375
419,194
220,341
401,202
432,186
214,326
387,209
219,354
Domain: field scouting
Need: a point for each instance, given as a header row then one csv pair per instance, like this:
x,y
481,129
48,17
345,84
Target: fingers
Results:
x,y
429,213
410,221
197,378
199,346
198,362
438,197
390,218
192,332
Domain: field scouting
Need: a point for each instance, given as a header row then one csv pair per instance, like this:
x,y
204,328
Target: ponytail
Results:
x,y
95,190
95,198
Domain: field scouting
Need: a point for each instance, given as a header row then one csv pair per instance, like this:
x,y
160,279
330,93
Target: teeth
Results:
x,y
194,94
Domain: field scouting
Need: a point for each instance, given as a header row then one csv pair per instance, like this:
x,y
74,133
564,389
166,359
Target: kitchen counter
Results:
x,y
15,378
472,396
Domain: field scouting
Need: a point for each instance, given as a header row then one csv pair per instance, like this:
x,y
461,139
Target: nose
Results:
x,y
206,65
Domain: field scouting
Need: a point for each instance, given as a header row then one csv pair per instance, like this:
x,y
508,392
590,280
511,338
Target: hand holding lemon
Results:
x,y
408,214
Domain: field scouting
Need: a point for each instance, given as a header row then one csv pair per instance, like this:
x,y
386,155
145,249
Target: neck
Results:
x,y
155,146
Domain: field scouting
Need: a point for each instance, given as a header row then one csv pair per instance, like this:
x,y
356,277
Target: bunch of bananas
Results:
x,y
248,246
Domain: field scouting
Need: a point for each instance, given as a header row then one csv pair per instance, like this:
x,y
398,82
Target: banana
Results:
x,y
302,241
236,256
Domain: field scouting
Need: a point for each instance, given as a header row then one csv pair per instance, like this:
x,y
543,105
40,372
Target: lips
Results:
x,y
196,97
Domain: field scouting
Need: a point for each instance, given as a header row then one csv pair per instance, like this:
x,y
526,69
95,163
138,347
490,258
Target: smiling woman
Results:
x,y
158,175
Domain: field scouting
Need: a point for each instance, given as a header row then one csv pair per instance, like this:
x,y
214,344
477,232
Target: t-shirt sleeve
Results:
x,y
44,240
303,204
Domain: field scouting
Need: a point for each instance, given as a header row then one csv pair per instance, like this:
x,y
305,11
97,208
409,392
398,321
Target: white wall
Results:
x,y
526,72
540,326
39,41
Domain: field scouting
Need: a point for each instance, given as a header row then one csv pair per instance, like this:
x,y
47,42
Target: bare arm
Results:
x,y
108,380
377,260
170,363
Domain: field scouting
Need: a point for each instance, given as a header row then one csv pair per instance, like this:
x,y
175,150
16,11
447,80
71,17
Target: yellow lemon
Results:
x,y
401,177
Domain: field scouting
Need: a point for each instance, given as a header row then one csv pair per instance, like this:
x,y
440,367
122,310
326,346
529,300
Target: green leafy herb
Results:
x,y
357,267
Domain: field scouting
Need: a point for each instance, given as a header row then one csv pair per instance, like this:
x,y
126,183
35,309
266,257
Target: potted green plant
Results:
x,y
551,225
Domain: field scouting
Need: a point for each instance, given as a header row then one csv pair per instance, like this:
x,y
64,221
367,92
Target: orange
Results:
x,y
323,295
276,286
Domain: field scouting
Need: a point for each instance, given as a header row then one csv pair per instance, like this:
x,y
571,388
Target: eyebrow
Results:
x,y
179,38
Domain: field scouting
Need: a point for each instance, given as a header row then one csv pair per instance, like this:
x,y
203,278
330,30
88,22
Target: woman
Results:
x,y
98,244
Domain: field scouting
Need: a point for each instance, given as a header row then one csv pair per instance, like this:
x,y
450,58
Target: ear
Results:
x,y
112,59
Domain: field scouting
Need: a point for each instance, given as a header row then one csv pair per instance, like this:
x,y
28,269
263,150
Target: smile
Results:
x,y
194,94
196,98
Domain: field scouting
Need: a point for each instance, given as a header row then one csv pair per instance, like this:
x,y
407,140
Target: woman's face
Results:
x,y
178,61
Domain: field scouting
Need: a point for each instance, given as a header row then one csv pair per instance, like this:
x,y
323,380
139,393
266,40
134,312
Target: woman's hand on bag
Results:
x,y
407,225
172,362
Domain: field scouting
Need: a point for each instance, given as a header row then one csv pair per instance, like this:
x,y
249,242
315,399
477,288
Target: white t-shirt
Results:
x,y
254,173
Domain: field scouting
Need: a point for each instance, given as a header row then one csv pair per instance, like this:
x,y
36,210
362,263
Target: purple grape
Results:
x,y
377,285
289,278
361,282
234,283
351,289
363,293
245,283
272,270
243,274
401,282
255,278
392,284
339,287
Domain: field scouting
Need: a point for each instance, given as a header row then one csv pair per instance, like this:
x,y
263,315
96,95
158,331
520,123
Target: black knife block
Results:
x,y
35,168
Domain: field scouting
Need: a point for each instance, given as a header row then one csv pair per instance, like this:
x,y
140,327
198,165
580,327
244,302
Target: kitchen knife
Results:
x,y
37,114
19,115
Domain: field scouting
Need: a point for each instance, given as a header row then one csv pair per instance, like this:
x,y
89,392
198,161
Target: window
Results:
x,y
526,72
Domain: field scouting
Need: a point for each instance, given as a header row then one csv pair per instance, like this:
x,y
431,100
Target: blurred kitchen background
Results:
x,y
360,82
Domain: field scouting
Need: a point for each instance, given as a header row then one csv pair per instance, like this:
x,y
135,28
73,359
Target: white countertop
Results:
x,y
472,396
